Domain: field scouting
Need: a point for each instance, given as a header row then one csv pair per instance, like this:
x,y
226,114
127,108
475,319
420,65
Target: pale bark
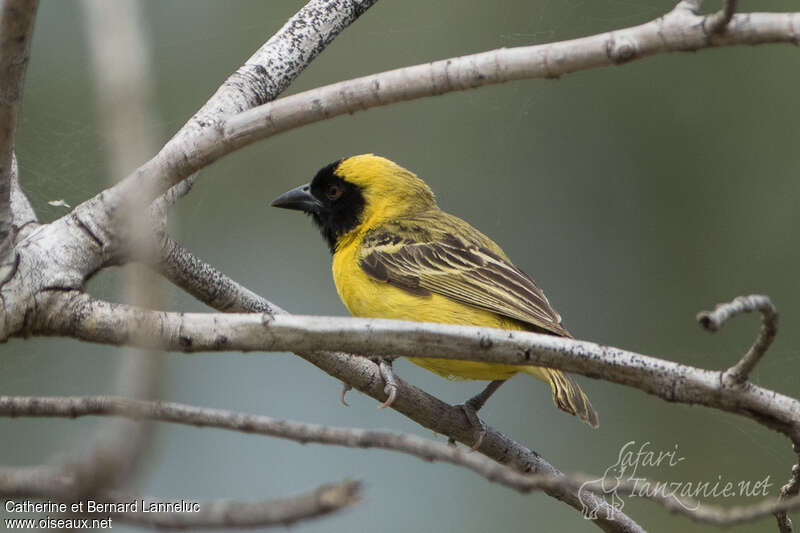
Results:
x,y
16,32
41,286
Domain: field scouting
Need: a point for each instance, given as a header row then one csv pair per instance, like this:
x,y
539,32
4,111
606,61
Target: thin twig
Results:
x,y
714,320
426,449
718,22
789,491
50,483
317,503
422,448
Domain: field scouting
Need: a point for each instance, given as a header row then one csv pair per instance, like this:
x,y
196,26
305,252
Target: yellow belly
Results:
x,y
365,297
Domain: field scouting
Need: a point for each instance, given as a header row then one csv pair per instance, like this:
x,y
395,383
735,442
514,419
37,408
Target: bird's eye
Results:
x,y
334,192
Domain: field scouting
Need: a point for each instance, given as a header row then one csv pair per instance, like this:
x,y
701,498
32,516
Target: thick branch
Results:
x,y
23,221
677,31
223,293
206,283
692,6
94,235
680,30
263,77
86,314
22,213
16,32
103,322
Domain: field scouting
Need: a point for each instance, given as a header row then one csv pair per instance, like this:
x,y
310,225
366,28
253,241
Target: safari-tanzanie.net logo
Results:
x,y
626,478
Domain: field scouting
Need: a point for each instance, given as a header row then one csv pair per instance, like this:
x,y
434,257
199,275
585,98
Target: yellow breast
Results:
x,y
365,297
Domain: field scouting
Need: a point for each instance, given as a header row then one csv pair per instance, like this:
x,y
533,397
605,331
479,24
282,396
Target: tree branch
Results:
x,y
789,492
22,213
79,316
359,372
206,283
199,143
718,22
121,70
93,235
318,503
16,31
679,30
692,6
263,77
426,449
714,320
46,482
223,293
676,31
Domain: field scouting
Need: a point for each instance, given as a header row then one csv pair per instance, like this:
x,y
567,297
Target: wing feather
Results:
x,y
462,268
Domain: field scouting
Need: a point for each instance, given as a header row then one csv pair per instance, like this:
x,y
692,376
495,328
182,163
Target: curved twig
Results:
x,y
714,320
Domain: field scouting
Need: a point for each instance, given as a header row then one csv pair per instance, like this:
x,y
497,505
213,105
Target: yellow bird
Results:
x,y
397,255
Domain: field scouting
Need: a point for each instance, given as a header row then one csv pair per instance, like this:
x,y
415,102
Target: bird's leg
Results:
x,y
387,373
471,408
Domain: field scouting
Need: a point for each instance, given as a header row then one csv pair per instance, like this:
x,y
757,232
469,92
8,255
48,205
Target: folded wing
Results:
x,y
459,267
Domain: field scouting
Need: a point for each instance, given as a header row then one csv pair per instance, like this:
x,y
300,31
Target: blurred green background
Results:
x,y
634,195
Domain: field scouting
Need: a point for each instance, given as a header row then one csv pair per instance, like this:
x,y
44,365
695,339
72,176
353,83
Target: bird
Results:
x,y
397,255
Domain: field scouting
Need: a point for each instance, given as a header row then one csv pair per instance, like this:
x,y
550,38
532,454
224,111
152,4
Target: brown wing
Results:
x,y
449,265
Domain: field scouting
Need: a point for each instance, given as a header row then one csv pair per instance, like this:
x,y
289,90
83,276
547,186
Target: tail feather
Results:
x,y
567,395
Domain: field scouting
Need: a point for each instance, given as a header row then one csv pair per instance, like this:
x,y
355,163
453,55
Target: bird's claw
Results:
x,y
391,388
345,387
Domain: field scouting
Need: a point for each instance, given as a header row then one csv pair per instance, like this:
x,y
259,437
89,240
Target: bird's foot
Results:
x,y
471,408
478,425
387,373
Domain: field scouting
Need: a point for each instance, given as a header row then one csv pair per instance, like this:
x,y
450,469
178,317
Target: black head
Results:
x,y
334,204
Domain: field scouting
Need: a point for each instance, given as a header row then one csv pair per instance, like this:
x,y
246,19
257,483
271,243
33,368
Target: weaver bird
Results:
x,y
397,255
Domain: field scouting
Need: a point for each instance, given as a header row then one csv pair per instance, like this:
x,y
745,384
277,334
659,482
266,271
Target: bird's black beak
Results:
x,y
299,198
